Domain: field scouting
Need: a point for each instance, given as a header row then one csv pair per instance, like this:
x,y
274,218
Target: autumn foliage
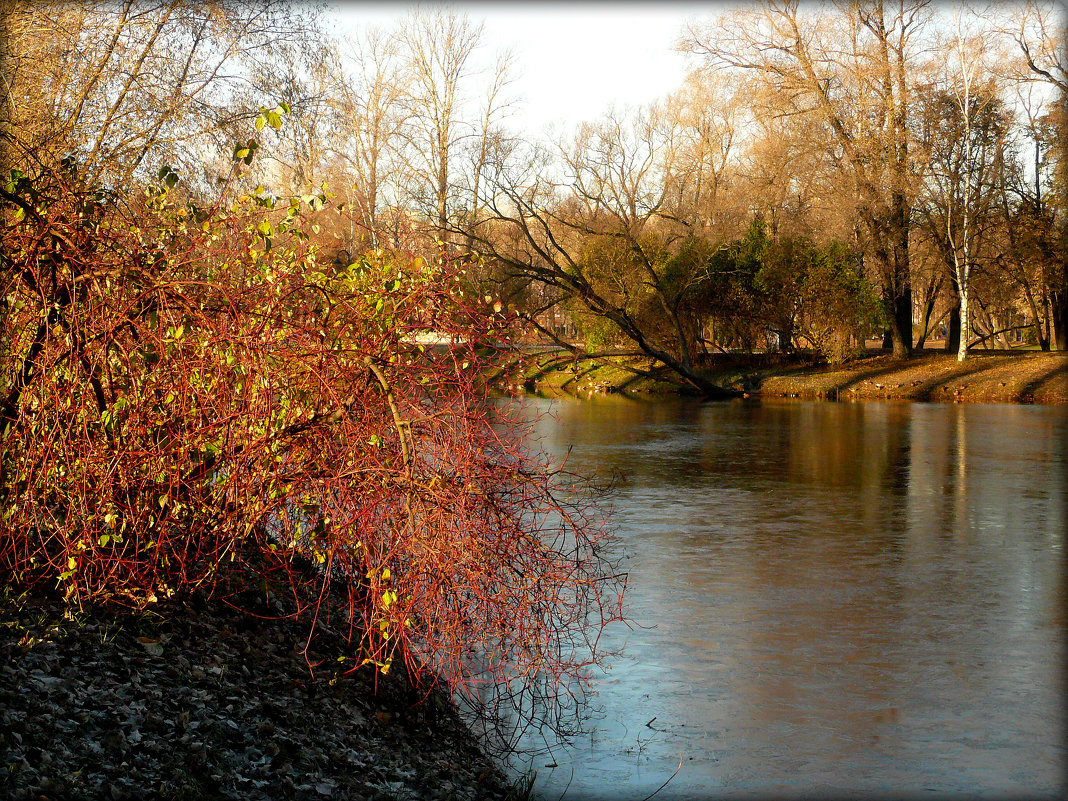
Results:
x,y
198,398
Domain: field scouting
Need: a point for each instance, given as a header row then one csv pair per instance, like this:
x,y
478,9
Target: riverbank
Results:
x,y
205,702
984,377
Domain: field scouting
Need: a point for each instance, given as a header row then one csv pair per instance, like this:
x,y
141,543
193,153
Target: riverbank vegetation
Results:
x,y
827,174
201,395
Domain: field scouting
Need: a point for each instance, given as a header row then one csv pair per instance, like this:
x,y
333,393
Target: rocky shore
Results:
x,y
204,702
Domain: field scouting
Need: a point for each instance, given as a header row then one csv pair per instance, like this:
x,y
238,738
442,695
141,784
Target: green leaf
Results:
x,y
14,178
260,122
274,119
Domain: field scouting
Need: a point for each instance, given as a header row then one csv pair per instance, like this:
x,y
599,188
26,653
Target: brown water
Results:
x,y
830,599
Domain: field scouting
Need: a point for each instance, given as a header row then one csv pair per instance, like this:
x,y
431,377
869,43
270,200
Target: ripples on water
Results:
x,y
828,598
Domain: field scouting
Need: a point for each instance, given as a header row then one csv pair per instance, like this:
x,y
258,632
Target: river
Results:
x,y
828,599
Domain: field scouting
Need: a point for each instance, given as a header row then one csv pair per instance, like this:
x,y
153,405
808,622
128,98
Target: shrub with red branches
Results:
x,y
201,399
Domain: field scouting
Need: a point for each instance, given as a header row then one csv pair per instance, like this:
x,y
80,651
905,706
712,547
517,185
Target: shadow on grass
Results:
x,y
577,377
560,365
754,381
550,365
1027,392
927,388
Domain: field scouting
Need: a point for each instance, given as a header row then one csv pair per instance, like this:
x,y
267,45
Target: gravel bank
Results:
x,y
211,703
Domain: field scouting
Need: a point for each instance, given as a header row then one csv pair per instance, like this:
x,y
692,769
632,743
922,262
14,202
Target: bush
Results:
x,y
839,302
197,399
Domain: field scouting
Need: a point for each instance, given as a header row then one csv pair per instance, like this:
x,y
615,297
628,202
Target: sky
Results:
x,y
574,60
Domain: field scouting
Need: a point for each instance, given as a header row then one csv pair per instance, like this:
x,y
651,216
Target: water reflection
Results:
x,y
830,598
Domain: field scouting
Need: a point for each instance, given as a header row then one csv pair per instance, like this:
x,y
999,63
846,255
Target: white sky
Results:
x,y
573,60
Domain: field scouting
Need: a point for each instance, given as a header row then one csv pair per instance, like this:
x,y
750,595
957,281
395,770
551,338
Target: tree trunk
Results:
x,y
928,310
901,324
962,345
892,258
953,330
1059,302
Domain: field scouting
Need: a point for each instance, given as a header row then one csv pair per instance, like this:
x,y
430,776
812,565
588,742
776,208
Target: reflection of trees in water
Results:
x,y
835,582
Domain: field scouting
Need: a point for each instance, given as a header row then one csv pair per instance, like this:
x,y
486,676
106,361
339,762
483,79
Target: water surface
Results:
x,y
828,599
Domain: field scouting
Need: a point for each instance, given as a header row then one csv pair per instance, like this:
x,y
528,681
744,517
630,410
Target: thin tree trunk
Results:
x,y
962,345
953,334
1059,307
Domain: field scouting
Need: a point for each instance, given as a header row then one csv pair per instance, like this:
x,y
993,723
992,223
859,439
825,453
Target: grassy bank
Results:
x,y
984,377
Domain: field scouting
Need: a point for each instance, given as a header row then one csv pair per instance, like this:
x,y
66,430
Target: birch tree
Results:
x,y
962,187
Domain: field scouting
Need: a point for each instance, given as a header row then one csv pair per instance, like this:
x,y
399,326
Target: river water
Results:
x,y
828,599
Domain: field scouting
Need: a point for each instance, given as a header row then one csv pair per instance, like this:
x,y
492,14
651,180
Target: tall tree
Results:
x,y
709,112
440,45
375,113
301,153
602,235
1040,31
967,144
851,64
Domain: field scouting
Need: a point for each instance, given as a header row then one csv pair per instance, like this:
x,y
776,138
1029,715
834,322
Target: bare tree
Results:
x,y
1028,257
849,63
709,113
300,154
600,235
1040,31
439,47
120,88
374,108
968,147
490,134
